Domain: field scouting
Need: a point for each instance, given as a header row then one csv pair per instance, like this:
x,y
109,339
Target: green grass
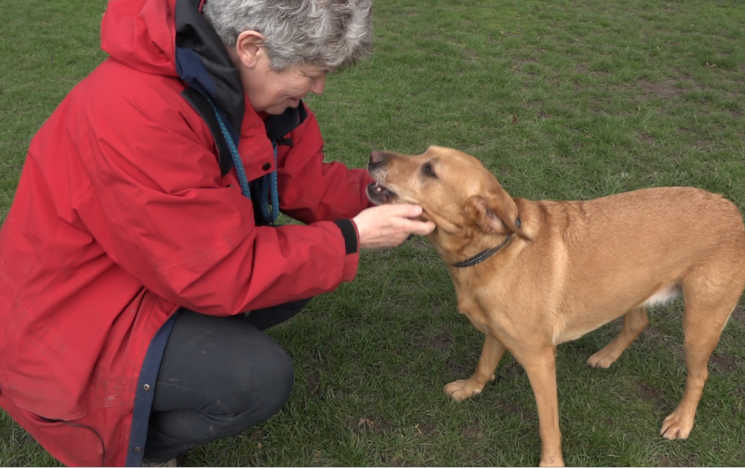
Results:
x,y
560,99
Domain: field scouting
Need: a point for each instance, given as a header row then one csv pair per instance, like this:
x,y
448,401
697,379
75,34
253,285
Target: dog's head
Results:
x,y
454,189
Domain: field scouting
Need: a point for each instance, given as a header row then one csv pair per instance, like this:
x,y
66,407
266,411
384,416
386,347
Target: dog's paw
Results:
x,y
676,426
556,460
462,389
602,359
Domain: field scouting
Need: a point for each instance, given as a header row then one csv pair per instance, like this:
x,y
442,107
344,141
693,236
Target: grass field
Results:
x,y
560,99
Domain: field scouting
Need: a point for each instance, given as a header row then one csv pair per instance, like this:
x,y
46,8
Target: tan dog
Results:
x,y
533,274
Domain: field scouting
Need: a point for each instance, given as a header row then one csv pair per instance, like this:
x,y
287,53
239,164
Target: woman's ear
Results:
x,y
249,47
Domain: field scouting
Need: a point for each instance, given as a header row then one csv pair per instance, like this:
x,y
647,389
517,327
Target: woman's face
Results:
x,y
273,92
268,90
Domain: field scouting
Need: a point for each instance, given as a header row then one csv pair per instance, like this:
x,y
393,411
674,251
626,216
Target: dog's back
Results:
x,y
627,216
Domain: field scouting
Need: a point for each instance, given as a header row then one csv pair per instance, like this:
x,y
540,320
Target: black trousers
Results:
x,y
219,376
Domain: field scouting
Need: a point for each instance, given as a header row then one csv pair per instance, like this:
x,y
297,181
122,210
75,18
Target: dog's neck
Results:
x,y
481,256
453,248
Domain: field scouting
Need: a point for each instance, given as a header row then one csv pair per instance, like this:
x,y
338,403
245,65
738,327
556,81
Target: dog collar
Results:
x,y
480,257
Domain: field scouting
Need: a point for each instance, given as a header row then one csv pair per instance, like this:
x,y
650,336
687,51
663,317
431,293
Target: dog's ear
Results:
x,y
497,215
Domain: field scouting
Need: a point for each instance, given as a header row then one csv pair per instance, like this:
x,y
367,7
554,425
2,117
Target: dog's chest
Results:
x,y
468,306
486,312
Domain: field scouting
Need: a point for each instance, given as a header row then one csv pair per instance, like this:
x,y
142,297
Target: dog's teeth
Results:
x,y
380,191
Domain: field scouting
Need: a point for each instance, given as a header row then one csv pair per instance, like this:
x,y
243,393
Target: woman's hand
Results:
x,y
387,226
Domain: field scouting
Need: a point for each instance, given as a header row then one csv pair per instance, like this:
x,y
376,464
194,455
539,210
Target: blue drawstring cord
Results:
x,y
269,186
268,183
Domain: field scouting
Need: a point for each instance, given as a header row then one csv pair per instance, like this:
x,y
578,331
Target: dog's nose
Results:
x,y
376,159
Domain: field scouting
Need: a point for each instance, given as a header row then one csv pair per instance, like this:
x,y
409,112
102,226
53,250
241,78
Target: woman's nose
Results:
x,y
317,84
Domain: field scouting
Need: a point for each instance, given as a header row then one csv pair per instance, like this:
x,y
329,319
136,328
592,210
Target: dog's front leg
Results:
x,y
490,356
540,365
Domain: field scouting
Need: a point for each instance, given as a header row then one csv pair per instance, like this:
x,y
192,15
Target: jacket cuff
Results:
x,y
351,244
349,231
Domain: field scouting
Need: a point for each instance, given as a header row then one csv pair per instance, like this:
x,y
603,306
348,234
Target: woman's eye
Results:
x,y
428,170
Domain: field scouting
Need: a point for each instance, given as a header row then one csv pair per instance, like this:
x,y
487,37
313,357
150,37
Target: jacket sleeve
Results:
x,y
311,189
160,209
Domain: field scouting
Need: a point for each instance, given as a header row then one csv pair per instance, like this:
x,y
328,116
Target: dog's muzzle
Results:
x,y
379,194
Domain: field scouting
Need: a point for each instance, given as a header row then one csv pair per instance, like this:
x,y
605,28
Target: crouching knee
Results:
x,y
279,376
265,387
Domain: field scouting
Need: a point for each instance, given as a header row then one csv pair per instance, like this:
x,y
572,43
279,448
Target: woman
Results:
x,y
142,228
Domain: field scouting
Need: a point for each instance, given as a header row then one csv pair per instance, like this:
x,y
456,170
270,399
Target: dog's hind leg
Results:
x,y
634,322
491,354
703,322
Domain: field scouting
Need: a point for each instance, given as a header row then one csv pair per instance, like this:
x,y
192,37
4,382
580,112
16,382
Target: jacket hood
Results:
x,y
141,34
172,38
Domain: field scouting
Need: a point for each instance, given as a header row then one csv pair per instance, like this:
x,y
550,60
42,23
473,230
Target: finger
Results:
x,y
422,228
411,226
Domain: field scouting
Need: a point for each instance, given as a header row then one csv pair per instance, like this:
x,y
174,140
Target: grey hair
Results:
x,y
329,34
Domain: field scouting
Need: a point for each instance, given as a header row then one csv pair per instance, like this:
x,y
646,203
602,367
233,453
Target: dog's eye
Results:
x,y
428,170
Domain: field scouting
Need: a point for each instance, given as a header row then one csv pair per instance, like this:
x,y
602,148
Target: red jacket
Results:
x,y
122,216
